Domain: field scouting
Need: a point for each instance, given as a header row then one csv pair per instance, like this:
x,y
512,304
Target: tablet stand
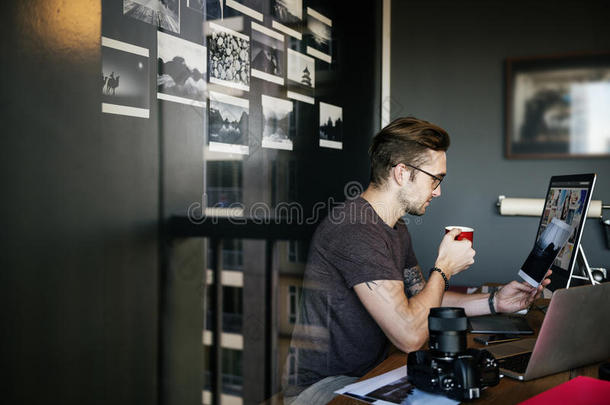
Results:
x,y
583,266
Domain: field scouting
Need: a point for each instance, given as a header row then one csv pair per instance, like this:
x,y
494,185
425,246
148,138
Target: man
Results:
x,y
363,286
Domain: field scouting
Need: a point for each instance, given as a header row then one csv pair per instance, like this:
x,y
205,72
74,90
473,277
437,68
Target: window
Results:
x,y
232,372
294,293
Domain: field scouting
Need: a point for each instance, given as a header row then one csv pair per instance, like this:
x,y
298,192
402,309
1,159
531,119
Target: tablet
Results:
x,y
513,324
559,230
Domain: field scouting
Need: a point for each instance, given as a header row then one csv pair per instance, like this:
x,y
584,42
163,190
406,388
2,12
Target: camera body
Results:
x,y
449,368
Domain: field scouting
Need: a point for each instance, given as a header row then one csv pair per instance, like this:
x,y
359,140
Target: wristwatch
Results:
x,y
492,293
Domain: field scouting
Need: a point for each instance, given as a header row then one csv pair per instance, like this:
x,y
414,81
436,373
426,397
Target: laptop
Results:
x,y
575,332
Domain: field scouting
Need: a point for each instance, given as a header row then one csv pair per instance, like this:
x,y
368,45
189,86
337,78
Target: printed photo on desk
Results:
x,y
392,388
163,13
228,124
125,84
181,70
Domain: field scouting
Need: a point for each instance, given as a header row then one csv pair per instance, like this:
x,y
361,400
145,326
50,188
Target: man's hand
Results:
x,y
516,296
454,256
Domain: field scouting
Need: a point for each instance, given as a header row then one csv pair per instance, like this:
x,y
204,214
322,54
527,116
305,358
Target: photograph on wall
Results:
x,y
555,106
181,72
267,54
319,35
213,10
197,5
229,54
251,8
228,123
125,85
301,77
287,17
331,126
163,13
277,116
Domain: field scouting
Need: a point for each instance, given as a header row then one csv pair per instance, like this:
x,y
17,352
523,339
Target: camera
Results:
x,y
449,367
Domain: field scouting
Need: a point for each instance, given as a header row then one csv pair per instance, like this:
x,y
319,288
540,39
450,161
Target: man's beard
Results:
x,y
410,207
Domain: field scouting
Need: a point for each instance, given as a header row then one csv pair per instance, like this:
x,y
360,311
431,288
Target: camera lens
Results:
x,y
448,328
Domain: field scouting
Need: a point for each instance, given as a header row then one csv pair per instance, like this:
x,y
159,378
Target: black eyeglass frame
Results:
x,y
439,179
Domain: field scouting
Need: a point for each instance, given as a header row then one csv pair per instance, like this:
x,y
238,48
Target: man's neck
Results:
x,y
384,204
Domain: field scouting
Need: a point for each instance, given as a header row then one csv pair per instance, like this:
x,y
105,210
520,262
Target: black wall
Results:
x,y
85,266
79,218
447,67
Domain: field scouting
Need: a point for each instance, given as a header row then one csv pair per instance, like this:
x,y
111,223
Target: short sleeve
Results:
x,y
360,254
410,258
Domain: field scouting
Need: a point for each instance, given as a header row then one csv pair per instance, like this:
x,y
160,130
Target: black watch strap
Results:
x,y
492,293
433,269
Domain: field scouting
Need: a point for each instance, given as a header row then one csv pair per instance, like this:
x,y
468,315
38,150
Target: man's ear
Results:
x,y
399,175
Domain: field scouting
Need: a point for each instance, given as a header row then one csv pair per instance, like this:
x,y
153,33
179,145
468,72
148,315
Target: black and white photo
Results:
x,y
181,72
228,123
197,5
277,114
288,15
548,244
163,13
319,35
287,11
229,55
214,10
331,126
301,77
125,85
267,54
251,8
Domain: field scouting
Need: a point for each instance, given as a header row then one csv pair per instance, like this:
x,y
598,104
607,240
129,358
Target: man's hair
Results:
x,y
404,140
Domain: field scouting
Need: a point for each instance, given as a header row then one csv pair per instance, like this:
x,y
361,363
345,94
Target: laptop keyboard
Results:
x,y
517,363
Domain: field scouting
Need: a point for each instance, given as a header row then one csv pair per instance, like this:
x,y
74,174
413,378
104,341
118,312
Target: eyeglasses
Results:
x,y
437,180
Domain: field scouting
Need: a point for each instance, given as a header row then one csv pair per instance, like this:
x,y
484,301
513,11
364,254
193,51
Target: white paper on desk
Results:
x,y
415,397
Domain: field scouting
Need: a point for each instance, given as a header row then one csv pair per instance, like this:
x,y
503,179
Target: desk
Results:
x,y
508,391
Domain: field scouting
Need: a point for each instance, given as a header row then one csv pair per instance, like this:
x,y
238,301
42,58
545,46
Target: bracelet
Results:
x,y
490,301
433,269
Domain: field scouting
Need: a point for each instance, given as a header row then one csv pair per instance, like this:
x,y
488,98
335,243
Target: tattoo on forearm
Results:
x,y
368,284
414,281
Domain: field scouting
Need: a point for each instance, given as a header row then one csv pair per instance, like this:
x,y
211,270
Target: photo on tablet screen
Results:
x,y
547,246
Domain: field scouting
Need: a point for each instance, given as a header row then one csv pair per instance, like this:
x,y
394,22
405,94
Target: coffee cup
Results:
x,y
466,232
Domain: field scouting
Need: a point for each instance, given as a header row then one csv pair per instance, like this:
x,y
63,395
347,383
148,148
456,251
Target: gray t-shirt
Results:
x,y
335,334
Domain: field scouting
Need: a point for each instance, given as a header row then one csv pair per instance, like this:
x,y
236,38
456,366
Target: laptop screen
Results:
x,y
560,229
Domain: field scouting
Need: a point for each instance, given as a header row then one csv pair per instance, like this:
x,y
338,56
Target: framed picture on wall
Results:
x,y
558,106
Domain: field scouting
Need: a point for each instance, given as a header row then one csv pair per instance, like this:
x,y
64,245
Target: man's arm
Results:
x,y
414,281
511,297
473,304
404,321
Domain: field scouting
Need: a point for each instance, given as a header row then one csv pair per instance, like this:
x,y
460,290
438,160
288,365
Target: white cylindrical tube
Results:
x,y
533,207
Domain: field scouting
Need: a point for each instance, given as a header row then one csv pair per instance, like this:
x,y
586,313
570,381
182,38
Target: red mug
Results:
x,y
467,233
